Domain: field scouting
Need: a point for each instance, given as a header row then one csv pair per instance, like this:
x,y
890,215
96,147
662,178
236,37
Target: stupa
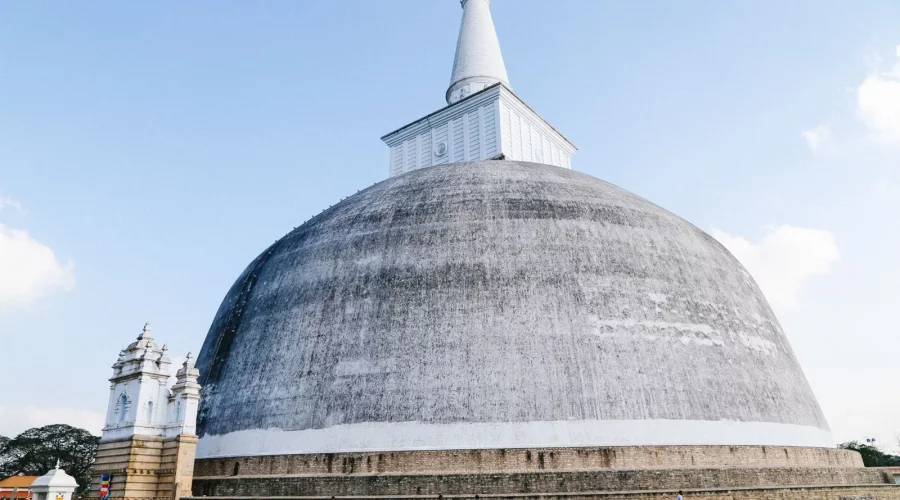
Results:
x,y
488,321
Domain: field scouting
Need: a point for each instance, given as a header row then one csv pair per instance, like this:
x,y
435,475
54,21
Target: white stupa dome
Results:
x,y
498,305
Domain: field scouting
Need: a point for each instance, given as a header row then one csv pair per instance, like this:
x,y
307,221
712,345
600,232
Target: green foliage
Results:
x,y
3,441
35,451
872,456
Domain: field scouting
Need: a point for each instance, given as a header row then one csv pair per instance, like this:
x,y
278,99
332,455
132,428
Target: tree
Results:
x,y
872,456
35,451
3,441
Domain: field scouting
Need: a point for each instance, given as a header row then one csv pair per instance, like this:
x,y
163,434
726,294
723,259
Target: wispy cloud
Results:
x,y
878,104
886,191
867,413
15,419
10,203
817,138
784,259
30,270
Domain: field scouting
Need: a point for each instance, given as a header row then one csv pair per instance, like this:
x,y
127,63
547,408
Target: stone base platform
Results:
x,y
541,483
633,473
884,492
519,460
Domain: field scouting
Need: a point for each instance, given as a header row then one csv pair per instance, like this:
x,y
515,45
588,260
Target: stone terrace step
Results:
x,y
555,482
520,460
807,492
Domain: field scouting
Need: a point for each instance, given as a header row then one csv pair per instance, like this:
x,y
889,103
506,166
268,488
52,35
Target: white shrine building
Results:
x,y
54,485
148,443
139,401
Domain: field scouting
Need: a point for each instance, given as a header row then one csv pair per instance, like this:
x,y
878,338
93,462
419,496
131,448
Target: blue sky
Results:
x,y
156,148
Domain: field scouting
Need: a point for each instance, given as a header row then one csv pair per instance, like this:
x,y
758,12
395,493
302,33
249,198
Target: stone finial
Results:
x,y
163,355
188,372
57,464
145,332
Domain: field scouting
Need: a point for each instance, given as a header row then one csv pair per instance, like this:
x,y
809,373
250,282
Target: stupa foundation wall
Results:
x,y
871,492
560,482
516,460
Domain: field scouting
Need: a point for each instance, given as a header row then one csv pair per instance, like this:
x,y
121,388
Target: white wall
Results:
x,y
485,126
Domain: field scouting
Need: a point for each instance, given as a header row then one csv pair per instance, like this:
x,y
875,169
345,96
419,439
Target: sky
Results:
x,y
149,151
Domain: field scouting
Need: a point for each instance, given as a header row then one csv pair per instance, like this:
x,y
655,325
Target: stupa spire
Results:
x,y
479,62
485,119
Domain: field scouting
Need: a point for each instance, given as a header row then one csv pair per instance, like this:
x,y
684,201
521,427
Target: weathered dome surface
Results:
x,y
497,305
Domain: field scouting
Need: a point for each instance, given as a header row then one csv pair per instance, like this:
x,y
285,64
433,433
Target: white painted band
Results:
x,y
408,436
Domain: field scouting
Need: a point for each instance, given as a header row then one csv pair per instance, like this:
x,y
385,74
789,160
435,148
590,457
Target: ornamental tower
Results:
x,y
484,118
148,444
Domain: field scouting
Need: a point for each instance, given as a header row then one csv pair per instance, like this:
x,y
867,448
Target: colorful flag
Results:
x,y
104,486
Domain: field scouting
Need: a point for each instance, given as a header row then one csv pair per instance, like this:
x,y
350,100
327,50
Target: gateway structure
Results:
x,y
499,324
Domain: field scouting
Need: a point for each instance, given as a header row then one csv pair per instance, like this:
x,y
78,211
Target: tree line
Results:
x,y
35,451
872,456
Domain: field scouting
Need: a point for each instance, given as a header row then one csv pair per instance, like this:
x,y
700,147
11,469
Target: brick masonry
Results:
x,y
533,482
884,492
145,468
515,460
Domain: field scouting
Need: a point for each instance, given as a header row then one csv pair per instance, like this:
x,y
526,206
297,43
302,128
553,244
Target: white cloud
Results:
x,y
10,203
784,259
878,104
886,191
15,419
29,270
817,138
865,413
